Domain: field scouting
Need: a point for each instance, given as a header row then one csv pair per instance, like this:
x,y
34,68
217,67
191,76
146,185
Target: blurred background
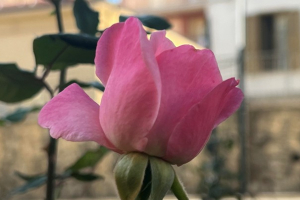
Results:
x,y
255,152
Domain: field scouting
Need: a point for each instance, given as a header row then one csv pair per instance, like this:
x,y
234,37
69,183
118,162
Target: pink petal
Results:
x,y
187,75
131,99
193,131
73,116
160,43
107,44
233,101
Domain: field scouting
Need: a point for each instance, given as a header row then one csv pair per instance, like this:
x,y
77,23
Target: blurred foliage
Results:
x,y
150,21
86,162
217,181
31,183
87,20
59,51
18,115
93,84
17,85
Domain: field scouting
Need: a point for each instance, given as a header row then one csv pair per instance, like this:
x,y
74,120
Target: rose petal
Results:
x,y
108,43
160,43
187,76
74,116
233,101
131,99
193,131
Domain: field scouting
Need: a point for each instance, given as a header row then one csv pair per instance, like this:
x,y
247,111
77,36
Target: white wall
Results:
x,y
222,20
264,6
221,17
273,84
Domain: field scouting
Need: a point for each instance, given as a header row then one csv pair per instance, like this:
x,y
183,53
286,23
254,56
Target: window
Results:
x,y
273,42
267,42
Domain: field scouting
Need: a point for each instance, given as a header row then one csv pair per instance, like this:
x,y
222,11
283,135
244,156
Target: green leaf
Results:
x,y
94,84
162,179
87,177
150,21
26,177
29,185
129,174
58,51
17,85
97,85
89,159
20,114
87,20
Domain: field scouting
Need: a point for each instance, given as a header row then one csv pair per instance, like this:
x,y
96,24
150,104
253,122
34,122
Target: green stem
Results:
x,y
56,4
178,189
52,150
62,79
51,169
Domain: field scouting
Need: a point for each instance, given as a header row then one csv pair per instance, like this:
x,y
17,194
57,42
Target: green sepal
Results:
x,y
162,178
129,175
178,189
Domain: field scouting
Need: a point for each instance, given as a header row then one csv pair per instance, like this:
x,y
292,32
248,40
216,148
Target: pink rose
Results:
x,y
159,99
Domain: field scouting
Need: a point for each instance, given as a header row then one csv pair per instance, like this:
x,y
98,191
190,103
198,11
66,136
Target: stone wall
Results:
x,y
274,147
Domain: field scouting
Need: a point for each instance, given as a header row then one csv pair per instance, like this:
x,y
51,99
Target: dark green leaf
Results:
x,y
89,159
20,114
59,51
93,84
80,40
87,20
86,177
17,85
150,21
29,185
26,177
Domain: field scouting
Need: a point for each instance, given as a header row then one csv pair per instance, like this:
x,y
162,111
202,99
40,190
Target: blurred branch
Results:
x,y
52,151
49,90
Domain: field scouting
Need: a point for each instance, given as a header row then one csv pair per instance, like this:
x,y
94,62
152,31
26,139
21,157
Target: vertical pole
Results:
x,y
241,17
242,128
52,149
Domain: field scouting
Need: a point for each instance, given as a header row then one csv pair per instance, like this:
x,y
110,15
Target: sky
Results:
x,y
114,1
